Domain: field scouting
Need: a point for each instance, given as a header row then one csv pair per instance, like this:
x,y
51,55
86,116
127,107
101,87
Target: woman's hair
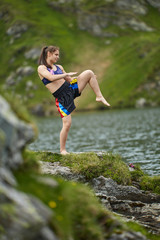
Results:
x,y
43,56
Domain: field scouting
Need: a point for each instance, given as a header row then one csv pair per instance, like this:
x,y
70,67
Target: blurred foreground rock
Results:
x,y
21,216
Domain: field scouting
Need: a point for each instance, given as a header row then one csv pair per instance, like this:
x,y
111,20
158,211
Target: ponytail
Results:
x,y
42,59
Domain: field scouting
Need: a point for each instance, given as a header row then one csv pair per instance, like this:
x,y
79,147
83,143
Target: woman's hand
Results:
x,y
71,73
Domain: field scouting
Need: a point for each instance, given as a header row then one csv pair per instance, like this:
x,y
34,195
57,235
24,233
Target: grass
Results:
x,y
151,184
90,165
136,227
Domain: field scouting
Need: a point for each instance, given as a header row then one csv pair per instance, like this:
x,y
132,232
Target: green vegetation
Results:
x,y
137,228
130,61
77,213
90,165
151,184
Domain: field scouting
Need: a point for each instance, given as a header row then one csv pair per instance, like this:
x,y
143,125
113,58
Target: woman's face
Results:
x,y
55,56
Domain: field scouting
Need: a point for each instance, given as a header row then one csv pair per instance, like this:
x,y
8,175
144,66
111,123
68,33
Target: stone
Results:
x,y
110,188
56,169
17,29
127,236
38,110
138,26
11,79
33,53
154,3
132,5
130,202
25,71
48,181
23,216
141,103
7,177
16,135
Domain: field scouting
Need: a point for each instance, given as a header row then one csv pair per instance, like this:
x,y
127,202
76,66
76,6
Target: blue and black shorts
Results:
x,y
65,96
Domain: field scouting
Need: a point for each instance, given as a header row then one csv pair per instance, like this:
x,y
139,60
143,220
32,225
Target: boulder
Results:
x,y
130,202
141,103
15,133
132,5
21,215
17,29
154,3
33,53
24,71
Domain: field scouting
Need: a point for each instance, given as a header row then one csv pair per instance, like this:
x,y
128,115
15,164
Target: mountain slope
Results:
x,y
125,60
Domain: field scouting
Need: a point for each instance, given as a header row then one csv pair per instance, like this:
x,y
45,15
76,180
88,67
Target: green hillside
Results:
x,y
127,68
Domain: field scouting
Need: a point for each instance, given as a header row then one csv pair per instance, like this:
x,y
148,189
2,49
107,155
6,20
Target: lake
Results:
x,y
132,133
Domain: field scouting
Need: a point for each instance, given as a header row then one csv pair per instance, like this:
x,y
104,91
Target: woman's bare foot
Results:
x,y
64,152
103,100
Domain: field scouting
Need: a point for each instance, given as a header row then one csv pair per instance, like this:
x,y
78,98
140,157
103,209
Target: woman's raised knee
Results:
x,y
90,73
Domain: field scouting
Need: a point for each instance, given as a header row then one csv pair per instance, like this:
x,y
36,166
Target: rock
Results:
x,y
33,53
56,169
119,13
16,135
15,77
138,26
25,71
38,110
48,181
129,202
29,85
110,188
17,29
154,3
7,177
108,42
23,216
132,5
127,236
141,102
11,79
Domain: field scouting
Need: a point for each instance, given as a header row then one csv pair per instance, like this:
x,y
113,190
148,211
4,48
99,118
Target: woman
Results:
x,y
65,87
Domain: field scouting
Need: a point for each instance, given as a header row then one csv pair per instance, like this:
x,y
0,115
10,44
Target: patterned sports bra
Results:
x,y
58,71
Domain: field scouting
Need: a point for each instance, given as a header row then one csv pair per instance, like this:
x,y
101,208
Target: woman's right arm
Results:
x,y
42,71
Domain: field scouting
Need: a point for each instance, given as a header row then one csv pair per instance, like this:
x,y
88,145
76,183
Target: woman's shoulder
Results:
x,y
41,67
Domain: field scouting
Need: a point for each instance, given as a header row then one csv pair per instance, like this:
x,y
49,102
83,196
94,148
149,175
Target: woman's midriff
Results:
x,y
53,86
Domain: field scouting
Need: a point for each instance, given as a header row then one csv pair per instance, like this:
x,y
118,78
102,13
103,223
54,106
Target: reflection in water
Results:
x,y
133,133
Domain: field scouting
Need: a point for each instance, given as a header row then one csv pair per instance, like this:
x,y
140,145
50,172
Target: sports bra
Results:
x,y
58,71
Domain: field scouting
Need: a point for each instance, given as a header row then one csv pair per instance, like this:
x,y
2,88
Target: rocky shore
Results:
x,y
128,201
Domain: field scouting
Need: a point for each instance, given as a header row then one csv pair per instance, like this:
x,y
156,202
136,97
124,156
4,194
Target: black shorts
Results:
x,y
65,96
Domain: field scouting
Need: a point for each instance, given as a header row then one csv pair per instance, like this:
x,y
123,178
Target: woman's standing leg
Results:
x,y
64,133
89,77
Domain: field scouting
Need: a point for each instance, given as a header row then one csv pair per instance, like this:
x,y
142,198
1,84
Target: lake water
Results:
x,y
132,133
